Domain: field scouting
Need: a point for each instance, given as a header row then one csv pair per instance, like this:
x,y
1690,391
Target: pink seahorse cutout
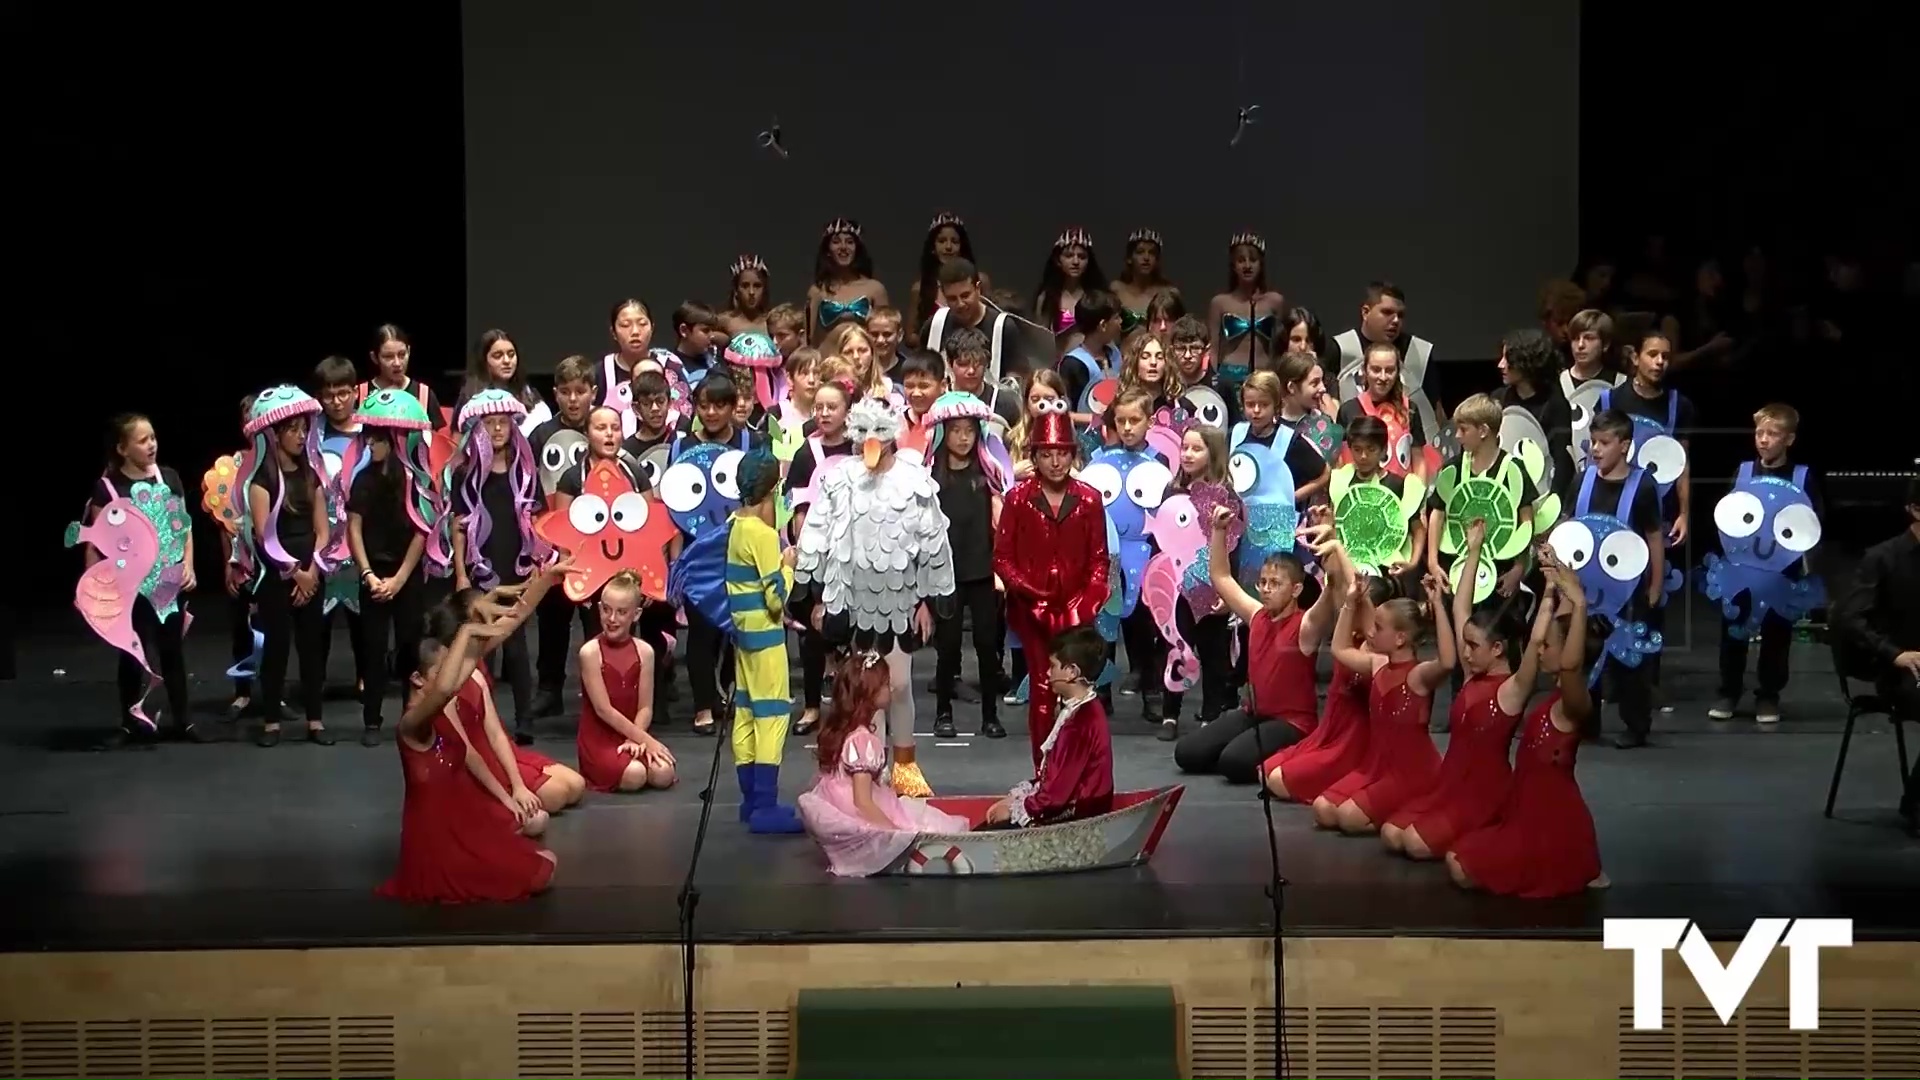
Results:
x,y
1176,528
129,547
1160,592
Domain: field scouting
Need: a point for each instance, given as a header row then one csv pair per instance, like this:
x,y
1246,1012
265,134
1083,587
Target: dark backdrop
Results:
x,y
215,202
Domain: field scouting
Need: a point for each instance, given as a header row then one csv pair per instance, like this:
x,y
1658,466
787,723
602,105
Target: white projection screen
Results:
x,y
611,149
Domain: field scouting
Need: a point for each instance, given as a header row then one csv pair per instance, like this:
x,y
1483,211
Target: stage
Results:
x,y
228,850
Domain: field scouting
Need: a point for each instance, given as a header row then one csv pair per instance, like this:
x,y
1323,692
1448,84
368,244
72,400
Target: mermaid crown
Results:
x,y
1074,237
842,225
943,218
747,262
1144,236
1251,239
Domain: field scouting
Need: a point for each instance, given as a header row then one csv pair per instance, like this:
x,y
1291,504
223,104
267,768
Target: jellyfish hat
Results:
x,y
276,405
410,430
476,457
755,352
989,453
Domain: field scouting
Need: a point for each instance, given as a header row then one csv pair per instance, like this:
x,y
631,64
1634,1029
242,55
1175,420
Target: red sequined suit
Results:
x,y
1055,571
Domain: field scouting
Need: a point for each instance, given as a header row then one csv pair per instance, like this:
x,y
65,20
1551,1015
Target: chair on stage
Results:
x,y
1859,705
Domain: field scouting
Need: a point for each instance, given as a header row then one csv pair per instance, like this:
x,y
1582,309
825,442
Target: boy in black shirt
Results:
x,y
1529,362
652,399
969,353
1647,396
1609,475
693,322
560,446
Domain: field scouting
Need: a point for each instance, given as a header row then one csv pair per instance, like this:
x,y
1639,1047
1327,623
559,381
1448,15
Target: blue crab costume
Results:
x,y
1610,559
1767,525
1131,483
1265,484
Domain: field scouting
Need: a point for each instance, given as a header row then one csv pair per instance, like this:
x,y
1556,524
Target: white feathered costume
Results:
x,y
873,548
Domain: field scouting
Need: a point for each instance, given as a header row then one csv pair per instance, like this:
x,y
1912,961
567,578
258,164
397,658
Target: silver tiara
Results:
x,y
944,218
1074,237
1251,239
1144,236
745,263
842,225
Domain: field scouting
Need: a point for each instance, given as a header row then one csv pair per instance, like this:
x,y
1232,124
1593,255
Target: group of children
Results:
x,y
1141,494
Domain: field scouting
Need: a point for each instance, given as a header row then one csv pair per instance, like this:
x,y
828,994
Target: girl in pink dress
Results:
x,y
1474,776
1542,844
857,820
1401,761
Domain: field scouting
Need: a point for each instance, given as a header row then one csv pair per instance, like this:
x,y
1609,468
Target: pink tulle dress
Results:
x,y
856,847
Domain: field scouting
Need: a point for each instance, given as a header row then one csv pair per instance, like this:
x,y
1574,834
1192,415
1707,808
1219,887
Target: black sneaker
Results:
x,y
1629,740
1169,731
943,727
194,733
991,729
320,736
370,735
546,703
523,735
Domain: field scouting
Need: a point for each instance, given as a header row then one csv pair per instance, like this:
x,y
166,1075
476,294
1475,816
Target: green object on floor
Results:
x,y
987,1031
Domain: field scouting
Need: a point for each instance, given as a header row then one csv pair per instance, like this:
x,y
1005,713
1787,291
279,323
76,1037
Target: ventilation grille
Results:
x,y
1229,1042
1692,1042
289,1046
727,1044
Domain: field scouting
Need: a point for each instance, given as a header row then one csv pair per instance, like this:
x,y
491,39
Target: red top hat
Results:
x,y
1052,428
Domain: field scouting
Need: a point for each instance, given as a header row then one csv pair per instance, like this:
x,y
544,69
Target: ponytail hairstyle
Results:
x,y
1413,617
861,688
1502,623
118,429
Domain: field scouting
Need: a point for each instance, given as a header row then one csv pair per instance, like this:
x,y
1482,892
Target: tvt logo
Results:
x,y
1726,987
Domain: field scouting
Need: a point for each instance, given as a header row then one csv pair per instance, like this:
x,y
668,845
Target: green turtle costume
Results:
x,y
1521,437
1493,497
1373,524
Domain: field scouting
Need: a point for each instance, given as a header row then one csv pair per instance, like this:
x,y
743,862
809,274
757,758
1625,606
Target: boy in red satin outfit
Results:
x,y
1075,777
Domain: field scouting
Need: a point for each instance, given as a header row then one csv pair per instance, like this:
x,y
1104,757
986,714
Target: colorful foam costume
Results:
x,y
619,386
1197,577
344,457
1265,484
1493,497
1402,456
1131,484
873,550
701,489
1767,525
610,527
990,454
476,456
222,498
130,555
1583,400
1326,436
1413,373
561,452
1610,559
1656,446
410,429
271,407
758,582
1524,441
1054,565
1373,524
754,352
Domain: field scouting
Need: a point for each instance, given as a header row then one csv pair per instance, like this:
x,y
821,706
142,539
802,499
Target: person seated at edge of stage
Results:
x,y
1881,624
1075,778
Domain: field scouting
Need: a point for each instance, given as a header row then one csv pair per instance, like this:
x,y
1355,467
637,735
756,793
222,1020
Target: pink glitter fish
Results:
x,y
128,546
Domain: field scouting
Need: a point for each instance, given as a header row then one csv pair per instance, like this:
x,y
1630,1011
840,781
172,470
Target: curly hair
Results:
x,y
862,687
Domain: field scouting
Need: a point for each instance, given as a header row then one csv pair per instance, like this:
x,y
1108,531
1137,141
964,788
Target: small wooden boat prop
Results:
x,y
1124,836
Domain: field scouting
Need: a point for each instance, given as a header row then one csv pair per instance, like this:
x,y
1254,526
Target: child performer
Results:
x,y
758,581
343,457
1401,761
457,843
395,534
1612,486
615,746
1542,842
859,823
158,616
496,491
1203,460
1476,422
239,582
971,481
1074,777
558,445
1283,643
391,353
293,550
1384,395
535,784
1474,776
1050,551
1338,745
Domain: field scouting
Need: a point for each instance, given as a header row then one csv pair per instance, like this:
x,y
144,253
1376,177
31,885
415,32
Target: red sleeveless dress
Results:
x,y
1474,776
1401,762
472,708
1335,747
457,843
1542,843
598,746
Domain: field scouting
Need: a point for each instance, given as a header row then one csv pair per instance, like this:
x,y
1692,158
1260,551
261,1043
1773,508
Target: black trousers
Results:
x,y
555,617
399,620
161,640
1211,639
1235,746
355,639
1631,688
1903,691
813,668
1776,641
709,663
240,636
979,600
286,628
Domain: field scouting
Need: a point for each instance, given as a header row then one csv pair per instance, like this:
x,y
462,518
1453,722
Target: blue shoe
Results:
x,y
1020,694
769,817
745,773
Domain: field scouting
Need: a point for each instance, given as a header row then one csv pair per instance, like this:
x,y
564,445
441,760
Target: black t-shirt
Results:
x,y
294,524
968,504
800,473
1073,369
1549,409
503,542
386,529
690,433
1642,517
1303,458
575,479
99,497
548,428
1657,408
1011,357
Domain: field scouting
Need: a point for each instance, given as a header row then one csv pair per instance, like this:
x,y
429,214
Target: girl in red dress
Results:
x,y
1474,775
1401,761
459,844
1542,843
534,781
617,752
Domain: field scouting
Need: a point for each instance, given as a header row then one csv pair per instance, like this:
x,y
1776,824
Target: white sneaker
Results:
x,y
1722,709
1767,712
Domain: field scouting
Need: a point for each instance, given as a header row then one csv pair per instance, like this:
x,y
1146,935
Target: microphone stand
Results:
x,y
1276,890
689,900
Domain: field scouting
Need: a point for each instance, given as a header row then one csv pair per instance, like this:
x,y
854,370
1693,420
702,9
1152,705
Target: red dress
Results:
x,y
1335,747
1401,761
1542,842
597,745
1474,776
471,704
458,844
